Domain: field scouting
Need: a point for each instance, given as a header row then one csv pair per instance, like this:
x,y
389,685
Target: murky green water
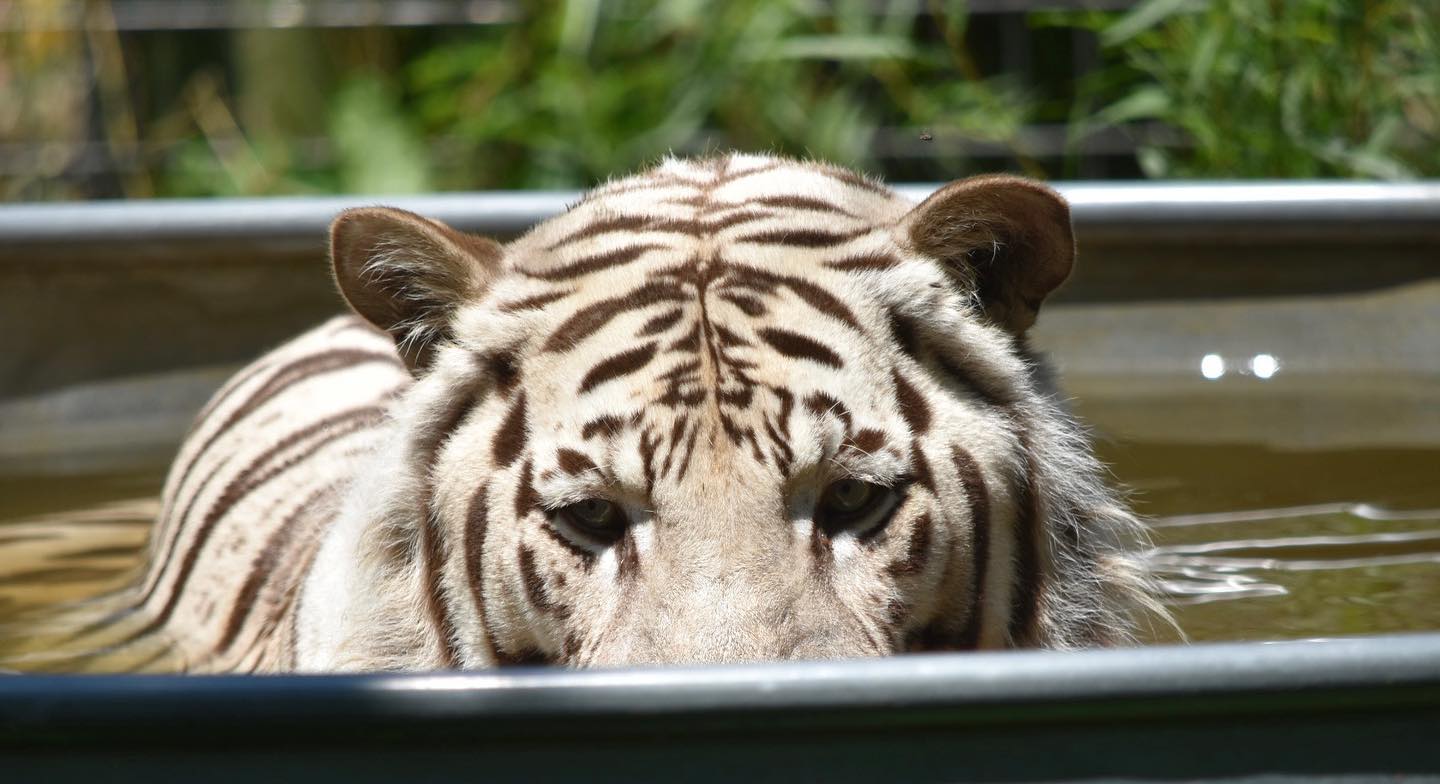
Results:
x,y
63,539
1258,544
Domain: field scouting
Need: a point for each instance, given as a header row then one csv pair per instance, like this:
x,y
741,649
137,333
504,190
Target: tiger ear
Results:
x,y
1005,239
407,274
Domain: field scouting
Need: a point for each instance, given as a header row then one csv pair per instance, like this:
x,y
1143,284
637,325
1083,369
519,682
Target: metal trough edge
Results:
x,y
1167,680
1167,212
1357,708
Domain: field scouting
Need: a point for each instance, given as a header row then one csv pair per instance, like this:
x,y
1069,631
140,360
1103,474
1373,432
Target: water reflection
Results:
x,y
1185,584
1294,572
1261,366
1217,567
1208,571
1264,365
1212,366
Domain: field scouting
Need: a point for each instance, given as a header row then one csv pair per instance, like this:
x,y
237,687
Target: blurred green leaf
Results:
x,y
839,47
1145,103
1143,17
1308,88
376,150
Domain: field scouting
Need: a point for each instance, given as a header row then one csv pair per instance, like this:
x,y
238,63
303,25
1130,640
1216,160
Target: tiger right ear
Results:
x,y
407,274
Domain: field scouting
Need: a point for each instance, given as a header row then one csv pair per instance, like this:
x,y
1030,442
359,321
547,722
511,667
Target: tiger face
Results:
x,y
729,410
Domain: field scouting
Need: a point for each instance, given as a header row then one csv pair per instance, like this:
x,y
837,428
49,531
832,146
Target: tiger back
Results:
x,y
732,409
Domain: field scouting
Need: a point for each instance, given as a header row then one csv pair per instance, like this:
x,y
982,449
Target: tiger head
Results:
x,y
733,409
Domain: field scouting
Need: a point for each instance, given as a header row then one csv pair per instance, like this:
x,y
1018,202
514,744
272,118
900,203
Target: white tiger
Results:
x,y
730,409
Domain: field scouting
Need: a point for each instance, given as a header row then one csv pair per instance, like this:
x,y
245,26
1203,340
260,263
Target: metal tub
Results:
x,y
117,320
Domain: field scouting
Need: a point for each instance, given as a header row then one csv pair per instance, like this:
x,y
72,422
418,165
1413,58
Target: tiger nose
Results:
x,y
737,616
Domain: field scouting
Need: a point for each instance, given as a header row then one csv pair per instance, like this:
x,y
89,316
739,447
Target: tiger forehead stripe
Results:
x,y
594,263
863,262
797,346
804,238
608,425
591,318
797,202
617,366
661,323
644,223
533,302
814,295
821,404
661,179
606,225
913,407
867,442
573,462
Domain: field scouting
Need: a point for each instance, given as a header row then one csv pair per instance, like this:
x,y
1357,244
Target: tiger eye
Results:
x,y
854,506
848,496
594,511
597,517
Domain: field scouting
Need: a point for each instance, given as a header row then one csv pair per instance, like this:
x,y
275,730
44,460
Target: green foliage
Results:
x,y
572,95
377,151
570,92
1265,88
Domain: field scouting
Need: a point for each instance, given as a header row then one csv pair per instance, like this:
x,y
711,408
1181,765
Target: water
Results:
x,y
1254,544
39,566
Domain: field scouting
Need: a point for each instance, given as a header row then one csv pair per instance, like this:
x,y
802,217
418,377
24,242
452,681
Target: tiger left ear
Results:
x,y
407,274
1006,239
